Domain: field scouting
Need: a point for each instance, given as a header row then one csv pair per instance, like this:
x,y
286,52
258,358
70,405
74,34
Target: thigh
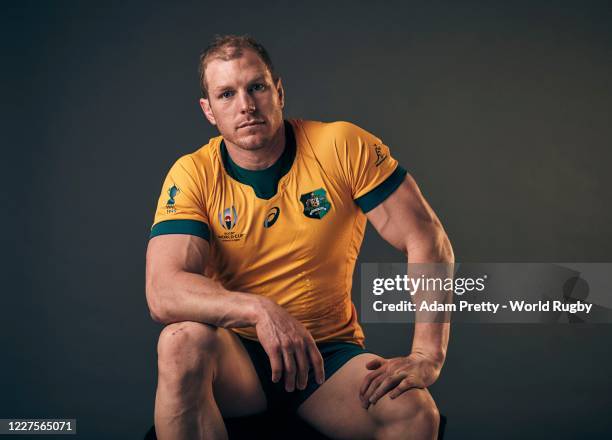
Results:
x,y
236,386
335,408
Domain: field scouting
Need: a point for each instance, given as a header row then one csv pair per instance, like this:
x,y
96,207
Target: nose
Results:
x,y
247,103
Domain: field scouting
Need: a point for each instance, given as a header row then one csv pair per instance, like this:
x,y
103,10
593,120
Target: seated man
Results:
x,y
250,267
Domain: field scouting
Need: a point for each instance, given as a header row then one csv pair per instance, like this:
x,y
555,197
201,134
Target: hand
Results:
x,y
290,347
394,376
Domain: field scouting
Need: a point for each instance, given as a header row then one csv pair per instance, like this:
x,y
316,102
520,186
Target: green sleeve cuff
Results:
x,y
190,227
372,199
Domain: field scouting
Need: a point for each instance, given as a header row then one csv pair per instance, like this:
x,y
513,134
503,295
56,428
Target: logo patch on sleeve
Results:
x,y
380,156
173,191
315,203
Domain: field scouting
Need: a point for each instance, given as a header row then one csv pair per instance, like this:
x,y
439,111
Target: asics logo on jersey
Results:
x,y
271,217
228,218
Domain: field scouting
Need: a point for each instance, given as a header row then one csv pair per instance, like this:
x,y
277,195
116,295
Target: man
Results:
x,y
250,265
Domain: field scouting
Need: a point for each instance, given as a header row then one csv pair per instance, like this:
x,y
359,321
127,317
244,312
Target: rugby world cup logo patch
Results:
x,y
173,191
228,218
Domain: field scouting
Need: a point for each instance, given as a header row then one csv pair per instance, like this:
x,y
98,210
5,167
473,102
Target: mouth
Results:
x,y
251,124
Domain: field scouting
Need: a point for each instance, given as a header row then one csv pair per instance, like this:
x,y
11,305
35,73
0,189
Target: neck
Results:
x,y
260,158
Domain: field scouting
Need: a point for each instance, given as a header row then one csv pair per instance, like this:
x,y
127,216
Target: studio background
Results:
x,y
500,111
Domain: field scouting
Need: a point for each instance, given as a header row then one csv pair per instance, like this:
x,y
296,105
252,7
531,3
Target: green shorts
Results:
x,y
335,355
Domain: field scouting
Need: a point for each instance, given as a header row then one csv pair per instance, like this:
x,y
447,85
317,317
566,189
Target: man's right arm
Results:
x,y
177,291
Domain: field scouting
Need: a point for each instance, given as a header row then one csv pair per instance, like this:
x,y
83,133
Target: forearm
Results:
x,y
433,258
186,296
431,339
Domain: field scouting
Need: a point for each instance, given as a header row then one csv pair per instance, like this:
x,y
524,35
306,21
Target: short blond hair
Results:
x,y
229,47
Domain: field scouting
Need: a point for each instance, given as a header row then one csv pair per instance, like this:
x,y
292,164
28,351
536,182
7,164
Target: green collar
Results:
x,y
264,182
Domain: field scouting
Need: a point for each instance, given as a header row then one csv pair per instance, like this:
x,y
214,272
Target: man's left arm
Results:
x,y
407,222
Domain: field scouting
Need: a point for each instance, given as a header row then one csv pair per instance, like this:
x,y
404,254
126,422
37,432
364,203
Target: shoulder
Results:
x,y
339,143
337,132
199,163
203,156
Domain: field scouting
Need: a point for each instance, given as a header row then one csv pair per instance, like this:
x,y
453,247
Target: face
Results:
x,y
243,101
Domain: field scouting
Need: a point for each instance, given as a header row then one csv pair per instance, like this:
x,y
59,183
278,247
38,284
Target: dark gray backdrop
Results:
x,y
499,110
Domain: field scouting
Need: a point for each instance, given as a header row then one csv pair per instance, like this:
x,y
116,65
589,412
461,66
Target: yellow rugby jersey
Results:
x,y
299,246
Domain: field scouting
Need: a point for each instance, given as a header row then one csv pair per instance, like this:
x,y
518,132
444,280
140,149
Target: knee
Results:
x,y
414,410
186,347
426,418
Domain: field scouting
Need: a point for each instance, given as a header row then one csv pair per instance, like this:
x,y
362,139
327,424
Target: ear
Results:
x,y
281,92
207,110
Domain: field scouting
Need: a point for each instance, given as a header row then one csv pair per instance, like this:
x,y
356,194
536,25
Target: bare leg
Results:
x,y
204,374
335,409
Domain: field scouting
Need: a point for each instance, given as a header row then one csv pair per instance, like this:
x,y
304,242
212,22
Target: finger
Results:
x,y
363,396
302,368
276,362
316,360
367,380
386,385
374,364
402,387
289,369
372,388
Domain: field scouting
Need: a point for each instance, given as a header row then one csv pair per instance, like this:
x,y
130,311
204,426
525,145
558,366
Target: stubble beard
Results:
x,y
245,144
264,141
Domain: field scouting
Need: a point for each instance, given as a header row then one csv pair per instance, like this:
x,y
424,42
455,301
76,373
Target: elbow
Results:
x,y
155,317
431,246
443,250
159,314
158,317
157,309
156,312
446,253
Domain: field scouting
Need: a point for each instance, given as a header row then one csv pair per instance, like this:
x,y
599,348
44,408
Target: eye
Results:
x,y
227,94
258,87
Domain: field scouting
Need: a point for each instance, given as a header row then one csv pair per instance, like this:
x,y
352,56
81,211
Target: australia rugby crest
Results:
x,y
315,203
